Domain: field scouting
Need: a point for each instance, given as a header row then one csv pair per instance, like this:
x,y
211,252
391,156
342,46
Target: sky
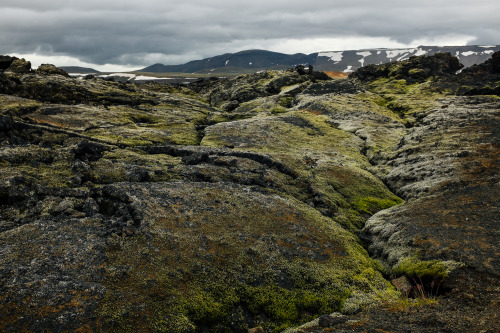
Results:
x,y
119,35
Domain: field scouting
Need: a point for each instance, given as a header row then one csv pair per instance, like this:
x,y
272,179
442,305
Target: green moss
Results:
x,y
218,263
278,110
384,86
286,101
371,205
17,106
115,164
209,307
115,315
406,99
425,269
169,321
289,307
57,174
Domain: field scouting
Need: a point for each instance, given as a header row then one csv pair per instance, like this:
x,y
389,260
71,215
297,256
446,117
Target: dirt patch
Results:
x,y
336,75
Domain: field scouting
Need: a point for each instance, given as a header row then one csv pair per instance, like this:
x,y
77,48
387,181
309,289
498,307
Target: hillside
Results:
x,y
77,69
338,61
276,201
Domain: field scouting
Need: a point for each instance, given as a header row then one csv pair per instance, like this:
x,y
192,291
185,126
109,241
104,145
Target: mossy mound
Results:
x,y
332,172
205,253
446,169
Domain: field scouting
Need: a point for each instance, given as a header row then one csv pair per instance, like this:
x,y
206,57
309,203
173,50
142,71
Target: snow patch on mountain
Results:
x,y
130,76
334,56
364,54
468,53
348,69
394,53
420,52
146,78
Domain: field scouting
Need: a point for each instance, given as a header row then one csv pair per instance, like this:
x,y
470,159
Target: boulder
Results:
x,y
6,61
20,66
48,69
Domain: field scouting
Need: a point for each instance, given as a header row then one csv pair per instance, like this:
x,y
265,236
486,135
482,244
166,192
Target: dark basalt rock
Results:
x,y
6,61
415,69
482,79
6,123
20,66
334,87
89,151
331,320
490,66
195,158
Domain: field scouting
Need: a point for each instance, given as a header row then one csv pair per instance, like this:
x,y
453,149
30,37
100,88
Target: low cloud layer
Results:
x,y
139,33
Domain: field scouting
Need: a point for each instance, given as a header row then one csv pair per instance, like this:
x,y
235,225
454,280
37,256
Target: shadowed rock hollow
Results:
x,y
266,200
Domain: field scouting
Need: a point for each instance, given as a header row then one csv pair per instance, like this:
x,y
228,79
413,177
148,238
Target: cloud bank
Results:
x,y
131,34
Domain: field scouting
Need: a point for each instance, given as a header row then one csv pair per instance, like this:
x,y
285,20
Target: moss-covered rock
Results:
x,y
241,203
208,256
20,66
48,69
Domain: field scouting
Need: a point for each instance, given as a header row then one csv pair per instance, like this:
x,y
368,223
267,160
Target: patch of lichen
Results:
x,y
217,266
407,99
255,107
37,165
131,134
365,192
120,165
365,102
16,106
292,134
245,88
164,119
328,159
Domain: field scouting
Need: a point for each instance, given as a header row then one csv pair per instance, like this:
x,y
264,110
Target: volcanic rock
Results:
x,y
261,201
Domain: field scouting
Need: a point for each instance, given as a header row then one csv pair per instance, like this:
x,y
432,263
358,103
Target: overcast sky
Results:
x,y
132,34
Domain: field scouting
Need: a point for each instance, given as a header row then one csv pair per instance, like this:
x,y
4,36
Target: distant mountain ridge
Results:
x,y
78,69
256,59
339,61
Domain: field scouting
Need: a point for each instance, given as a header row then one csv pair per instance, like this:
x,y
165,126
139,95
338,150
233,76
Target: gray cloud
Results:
x,y
139,33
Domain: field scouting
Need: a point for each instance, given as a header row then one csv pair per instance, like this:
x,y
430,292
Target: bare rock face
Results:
x,y
260,202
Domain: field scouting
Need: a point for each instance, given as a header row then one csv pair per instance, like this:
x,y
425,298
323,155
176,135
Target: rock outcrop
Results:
x,y
256,203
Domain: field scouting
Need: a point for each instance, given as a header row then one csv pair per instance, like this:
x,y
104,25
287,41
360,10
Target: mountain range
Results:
x,y
339,61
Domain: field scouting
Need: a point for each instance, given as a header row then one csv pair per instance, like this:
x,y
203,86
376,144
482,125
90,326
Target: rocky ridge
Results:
x,y
251,204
